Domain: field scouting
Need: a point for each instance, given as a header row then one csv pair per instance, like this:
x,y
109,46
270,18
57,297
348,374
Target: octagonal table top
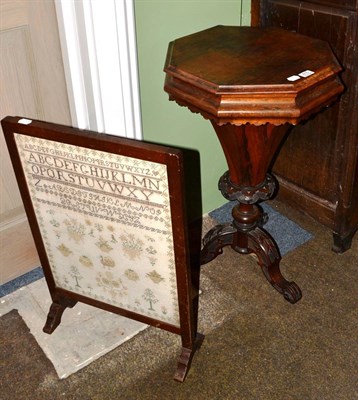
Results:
x,y
240,75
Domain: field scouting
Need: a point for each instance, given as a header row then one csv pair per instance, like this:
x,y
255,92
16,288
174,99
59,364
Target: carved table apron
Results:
x,y
252,84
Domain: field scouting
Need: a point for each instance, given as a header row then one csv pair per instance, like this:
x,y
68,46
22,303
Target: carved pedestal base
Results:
x,y
245,234
257,241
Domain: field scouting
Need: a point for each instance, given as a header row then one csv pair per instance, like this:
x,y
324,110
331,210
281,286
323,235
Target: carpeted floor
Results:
x,y
257,345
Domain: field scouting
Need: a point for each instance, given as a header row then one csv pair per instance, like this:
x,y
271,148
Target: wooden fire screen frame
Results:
x,y
108,218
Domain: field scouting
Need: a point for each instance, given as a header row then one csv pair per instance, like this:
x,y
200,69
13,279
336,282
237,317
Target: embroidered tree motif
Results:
x,y
75,273
113,239
152,261
151,251
149,296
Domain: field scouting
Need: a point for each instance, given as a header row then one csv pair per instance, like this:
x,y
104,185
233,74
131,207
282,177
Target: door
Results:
x,y
32,85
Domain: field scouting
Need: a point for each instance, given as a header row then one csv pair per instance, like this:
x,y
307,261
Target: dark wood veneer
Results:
x,y
318,164
251,83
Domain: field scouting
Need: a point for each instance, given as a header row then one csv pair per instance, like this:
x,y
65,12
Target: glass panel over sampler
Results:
x,y
106,225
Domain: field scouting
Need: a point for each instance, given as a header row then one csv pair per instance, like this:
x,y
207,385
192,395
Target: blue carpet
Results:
x,y
21,281
287,234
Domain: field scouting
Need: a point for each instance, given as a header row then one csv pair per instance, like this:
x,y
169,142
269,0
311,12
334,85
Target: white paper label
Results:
x,y
293,78
25,121
306,73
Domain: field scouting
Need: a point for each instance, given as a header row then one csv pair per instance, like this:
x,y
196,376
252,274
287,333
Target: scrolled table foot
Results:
x,y
263,245
292,292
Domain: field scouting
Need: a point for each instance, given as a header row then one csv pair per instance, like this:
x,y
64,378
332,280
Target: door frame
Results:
x,y
98,43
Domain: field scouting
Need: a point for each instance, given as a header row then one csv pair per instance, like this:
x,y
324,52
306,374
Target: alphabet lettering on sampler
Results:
x,y
115,181
112,187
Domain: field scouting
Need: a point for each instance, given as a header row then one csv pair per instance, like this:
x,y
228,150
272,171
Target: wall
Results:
x,y
157,23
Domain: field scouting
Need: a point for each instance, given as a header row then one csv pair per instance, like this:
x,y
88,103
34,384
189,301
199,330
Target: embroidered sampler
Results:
x,y
105,220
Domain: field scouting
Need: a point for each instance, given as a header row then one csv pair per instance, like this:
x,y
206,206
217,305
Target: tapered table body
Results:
x,y
252,84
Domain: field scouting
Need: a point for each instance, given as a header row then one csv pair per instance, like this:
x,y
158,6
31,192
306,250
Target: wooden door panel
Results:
x,y
318,164
302,153
33,85
20,92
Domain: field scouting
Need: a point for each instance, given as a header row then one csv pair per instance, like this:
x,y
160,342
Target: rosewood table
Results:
x,y
252,84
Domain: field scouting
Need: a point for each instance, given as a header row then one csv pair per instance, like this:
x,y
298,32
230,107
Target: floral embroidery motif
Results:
x,y
154,276
151,250
86,261
152,261
75,230
105,244
64,250
108,262
113,286
132,246
54,223
131,275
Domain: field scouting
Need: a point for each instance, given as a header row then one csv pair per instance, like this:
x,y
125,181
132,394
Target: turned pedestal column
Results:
x,y
252,84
